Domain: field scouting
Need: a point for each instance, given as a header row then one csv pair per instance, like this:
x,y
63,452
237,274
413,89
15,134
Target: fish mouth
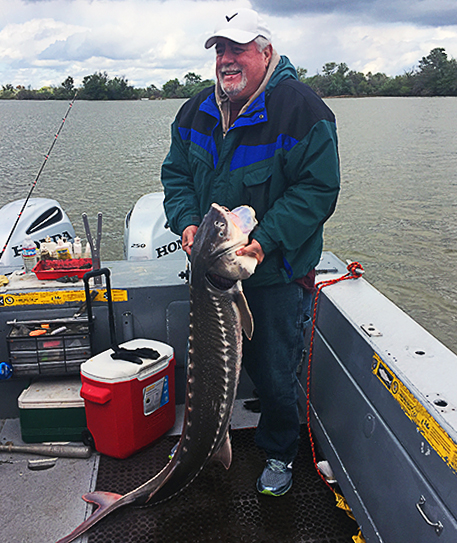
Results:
x,y
219,282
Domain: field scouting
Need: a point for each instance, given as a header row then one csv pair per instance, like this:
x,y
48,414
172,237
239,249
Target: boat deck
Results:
x,y
223,505
42,506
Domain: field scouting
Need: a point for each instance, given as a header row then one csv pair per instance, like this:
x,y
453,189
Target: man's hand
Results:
x,y
253,249
188,238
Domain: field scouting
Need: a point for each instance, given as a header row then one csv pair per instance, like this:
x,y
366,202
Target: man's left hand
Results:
x,y
253,249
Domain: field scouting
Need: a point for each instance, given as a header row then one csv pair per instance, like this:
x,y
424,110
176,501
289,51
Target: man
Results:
x,y
261,138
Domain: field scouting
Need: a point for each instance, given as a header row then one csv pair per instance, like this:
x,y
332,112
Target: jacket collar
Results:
x,y
223,102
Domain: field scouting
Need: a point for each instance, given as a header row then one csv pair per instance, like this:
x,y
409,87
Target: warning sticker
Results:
x,y
155,395
426,424
58,297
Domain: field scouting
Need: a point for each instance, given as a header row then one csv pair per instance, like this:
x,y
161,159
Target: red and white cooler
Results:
x,y
129,405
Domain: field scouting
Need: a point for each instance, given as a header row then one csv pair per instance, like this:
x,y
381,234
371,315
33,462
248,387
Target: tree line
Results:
x,y
99,86
435,75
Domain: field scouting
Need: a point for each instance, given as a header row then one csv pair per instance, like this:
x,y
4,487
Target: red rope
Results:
x,y
355,270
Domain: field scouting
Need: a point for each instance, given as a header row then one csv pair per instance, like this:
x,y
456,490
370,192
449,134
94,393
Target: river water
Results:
x,y
397,213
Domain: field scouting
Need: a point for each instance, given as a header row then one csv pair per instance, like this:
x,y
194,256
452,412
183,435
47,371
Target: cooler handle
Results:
x,y
95,394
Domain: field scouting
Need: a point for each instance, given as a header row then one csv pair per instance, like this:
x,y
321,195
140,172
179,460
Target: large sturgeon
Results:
x,y
218,313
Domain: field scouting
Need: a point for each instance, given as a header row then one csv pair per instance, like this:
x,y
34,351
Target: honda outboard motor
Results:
x,y
41,217
146,235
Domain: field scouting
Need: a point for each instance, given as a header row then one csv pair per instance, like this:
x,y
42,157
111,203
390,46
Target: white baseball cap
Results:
x,y
241,26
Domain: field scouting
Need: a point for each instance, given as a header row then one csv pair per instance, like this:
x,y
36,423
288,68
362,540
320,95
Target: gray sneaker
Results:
x,y
276,478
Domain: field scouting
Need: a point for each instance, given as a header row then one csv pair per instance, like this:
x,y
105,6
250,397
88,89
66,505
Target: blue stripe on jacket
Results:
x,y
245,155
207,143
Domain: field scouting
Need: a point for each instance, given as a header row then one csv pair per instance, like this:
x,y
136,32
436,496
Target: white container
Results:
x,y
62,250
88,251
48,246
77,248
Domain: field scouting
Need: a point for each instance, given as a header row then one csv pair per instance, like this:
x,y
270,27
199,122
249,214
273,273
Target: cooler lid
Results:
x,y
102,367
53,394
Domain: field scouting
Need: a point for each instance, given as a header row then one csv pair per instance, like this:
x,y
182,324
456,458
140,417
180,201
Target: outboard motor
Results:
x,y
146,234
41,217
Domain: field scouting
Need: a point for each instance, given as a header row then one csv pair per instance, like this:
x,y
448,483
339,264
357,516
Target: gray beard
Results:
x,y
232,91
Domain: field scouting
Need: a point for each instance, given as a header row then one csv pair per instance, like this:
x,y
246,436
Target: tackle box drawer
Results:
x,y
60,350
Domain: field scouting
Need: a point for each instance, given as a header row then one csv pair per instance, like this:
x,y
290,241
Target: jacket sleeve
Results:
x,y
311,170
180,203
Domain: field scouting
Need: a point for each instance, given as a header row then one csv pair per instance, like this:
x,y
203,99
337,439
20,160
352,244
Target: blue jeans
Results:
x,y
281,313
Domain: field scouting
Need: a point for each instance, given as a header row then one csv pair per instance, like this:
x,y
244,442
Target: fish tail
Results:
x,y
106,502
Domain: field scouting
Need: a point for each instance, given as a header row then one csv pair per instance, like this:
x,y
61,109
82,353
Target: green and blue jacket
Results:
x,y
280,157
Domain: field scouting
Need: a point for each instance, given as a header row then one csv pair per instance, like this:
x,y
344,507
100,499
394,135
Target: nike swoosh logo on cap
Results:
x,y
230,18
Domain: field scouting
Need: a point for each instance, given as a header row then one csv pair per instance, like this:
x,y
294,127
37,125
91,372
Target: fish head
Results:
x,y
219,236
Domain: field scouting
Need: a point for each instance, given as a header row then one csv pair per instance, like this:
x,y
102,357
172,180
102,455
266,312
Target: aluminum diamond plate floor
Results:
x,y
222,505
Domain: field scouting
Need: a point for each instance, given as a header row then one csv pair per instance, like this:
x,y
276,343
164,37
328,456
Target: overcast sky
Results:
x,y
152,41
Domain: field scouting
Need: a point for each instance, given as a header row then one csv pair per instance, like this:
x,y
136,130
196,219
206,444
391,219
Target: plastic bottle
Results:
x,y
29,254
62,251
77,248
69,246
88,251
48,248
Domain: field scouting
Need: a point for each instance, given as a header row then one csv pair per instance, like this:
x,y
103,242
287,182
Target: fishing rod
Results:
x,y
38,175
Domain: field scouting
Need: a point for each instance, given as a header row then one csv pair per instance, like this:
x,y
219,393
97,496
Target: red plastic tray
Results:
x,y
53,269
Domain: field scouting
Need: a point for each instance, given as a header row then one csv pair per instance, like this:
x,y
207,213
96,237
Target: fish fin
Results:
x,y
224,453
102,499
106,501
247,322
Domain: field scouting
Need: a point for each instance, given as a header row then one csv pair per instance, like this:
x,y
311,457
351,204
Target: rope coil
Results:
x,y
355,270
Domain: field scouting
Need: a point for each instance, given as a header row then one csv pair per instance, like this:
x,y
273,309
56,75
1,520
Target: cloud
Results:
x,y
152,41
421,12
28,39
82,46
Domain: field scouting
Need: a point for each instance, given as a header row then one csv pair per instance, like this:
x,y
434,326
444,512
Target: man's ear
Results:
x,y
268,53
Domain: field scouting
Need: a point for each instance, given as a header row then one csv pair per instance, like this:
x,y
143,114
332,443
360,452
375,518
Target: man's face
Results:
x,y
240,68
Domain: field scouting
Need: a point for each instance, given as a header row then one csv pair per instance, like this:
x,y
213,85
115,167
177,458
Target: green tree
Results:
x,y
437,75
153,93
356,83
66,91
375,82
301,72
7,92
172,89
119,89
332,82
194,84
95,87
192,79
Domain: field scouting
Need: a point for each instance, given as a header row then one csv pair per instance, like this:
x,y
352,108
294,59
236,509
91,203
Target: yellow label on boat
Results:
x,y
426,424
58,297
